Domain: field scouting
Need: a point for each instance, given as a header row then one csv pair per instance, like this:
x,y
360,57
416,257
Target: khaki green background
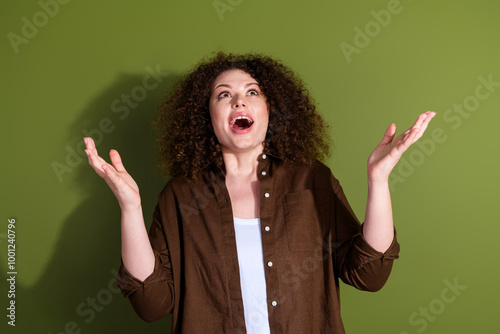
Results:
x,y
66,76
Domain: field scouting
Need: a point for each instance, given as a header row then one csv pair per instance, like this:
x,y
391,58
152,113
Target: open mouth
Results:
x,y
241,123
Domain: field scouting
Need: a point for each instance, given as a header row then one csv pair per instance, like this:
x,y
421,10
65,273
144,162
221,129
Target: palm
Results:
x,y
118,179
388,152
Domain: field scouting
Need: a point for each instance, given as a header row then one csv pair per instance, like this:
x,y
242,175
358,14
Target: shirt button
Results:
x,y
264,156
274,303
264,173
269,264
267,228
266,195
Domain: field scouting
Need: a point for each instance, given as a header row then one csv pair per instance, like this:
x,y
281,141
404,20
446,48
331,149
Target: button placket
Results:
x,y
267,184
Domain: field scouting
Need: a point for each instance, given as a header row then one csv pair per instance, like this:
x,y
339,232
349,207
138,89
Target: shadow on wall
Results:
x,y
78,290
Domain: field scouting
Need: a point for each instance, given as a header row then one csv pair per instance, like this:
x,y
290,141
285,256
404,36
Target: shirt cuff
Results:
x,y
129,284
368,254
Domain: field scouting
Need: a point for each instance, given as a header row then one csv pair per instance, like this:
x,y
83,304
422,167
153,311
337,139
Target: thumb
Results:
x,y
389,134
116,160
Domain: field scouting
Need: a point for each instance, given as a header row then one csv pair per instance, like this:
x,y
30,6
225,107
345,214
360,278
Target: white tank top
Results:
x,y
252,277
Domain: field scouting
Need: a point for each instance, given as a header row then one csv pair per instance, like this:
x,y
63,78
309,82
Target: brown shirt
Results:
x,y
310,239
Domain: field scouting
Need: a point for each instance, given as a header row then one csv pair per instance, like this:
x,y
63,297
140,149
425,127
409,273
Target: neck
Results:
x,y
241,163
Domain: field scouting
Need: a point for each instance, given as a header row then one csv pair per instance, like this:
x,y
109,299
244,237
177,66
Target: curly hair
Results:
x,y
186,140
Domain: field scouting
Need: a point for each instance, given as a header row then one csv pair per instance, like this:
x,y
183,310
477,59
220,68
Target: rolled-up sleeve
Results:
x,y
153,298
357,263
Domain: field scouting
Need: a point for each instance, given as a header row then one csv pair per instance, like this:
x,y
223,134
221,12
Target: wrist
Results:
x,y
377,175
378,182
131,208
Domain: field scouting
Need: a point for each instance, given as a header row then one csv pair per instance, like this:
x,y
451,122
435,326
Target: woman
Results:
x,y
253,232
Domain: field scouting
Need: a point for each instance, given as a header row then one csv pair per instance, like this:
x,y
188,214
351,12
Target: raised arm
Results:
x,y
137,254
378,228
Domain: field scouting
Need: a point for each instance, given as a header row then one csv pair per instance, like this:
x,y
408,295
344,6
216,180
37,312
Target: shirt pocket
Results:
x,y
306,219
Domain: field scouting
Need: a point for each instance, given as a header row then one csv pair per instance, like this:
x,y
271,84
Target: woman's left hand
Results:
x,y
387,154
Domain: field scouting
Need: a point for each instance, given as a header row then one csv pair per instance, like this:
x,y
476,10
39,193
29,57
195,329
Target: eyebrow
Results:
x,y
229,86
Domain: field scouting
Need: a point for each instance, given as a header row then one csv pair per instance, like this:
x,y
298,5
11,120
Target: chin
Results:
x,y
242,147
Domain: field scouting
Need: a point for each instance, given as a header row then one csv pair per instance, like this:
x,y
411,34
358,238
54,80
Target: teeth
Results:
x,y
240,117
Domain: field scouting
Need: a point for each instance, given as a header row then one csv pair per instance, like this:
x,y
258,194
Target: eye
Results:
x,y
253,92
223,94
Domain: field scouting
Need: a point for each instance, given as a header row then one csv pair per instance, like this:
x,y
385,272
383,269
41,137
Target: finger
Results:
x,y
423,119
428,119
94,159
407,138
90,144
417,124
389,134
113,179
110,174
116,161
421,125
403,141
412,137
96,162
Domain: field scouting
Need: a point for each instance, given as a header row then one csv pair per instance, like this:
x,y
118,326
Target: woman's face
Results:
x,y
238,111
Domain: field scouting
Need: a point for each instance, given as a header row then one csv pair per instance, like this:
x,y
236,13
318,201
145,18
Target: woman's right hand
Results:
x,y
115,175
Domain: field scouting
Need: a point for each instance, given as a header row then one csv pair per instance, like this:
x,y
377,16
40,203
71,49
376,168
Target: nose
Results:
x,y
239,102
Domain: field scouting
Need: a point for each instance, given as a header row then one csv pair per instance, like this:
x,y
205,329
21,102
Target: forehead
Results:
x,y
233,77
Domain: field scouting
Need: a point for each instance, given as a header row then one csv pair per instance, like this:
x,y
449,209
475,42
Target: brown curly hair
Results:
x,y
187,143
